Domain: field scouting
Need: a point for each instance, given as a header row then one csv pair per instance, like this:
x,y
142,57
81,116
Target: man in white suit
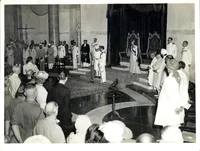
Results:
x,y
171,48
170,110
102,64
186,57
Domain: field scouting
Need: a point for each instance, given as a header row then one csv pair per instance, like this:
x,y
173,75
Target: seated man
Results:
x,y
49,127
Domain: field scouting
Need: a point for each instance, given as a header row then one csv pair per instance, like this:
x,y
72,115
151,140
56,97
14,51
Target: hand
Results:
x,y
7,137
177,111
181,109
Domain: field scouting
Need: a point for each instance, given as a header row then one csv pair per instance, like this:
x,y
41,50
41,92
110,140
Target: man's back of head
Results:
x,y
146,138
51,108
171,134
30,91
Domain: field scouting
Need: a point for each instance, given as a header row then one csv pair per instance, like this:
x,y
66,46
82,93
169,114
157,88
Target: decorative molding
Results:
x,y
94,32
183,32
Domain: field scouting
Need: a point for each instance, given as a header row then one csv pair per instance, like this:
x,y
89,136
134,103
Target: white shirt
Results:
x,y
14,84
186,56
61,51
42,95
30,66
172,49
55,50
102,60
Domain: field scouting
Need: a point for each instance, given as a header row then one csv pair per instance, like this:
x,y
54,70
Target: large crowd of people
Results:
x,y
36,112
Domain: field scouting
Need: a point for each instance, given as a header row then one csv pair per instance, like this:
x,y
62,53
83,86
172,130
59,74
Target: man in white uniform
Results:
x,y
102,64
171,48
75,55
41,77
61,51
55,49
186,57
96,61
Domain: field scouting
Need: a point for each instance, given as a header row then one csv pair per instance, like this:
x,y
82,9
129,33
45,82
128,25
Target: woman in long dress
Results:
x,y
134,67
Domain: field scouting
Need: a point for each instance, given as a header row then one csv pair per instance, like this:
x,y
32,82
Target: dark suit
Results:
x,y
85,50
61,95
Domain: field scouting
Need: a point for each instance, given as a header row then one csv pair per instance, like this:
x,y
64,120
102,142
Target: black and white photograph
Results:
x,y
99,73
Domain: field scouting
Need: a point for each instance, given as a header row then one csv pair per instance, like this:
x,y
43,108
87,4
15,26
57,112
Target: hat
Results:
x,y
163,52
127,134
172,64
113,132
41,75
37,139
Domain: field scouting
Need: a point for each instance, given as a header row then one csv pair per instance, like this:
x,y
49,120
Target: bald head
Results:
x,y
171,134
146,138
16,69
51,108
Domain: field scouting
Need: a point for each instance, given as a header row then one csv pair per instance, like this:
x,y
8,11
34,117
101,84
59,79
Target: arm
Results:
x,y
175,51
17,133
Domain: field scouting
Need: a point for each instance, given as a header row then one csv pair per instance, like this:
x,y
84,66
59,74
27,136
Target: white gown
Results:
x,y
134,68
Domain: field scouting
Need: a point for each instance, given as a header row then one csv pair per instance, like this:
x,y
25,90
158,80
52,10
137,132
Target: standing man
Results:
x,y
26,53
61,51
49,127
33,53
102,64
85,50
61,95
171,48
75,55
14,81
10,55
55,49
50,57
96,61
41,57
186,57
18,53
41,77
26,115
170,110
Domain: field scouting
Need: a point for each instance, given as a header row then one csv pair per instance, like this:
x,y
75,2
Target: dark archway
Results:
x,y
142,18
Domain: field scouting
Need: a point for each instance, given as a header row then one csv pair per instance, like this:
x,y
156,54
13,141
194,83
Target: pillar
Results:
x,y
53,21
17,14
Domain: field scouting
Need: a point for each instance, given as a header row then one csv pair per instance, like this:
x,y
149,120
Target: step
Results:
x,y
144,66
76,72
123,63
143,80
143,85
123,68
84,69
68,67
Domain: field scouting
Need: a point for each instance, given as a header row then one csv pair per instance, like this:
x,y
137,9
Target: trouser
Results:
x,y
42,65
103,74
74,59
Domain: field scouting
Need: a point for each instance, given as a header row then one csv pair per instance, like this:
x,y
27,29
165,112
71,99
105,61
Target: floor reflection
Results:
x,y
139,119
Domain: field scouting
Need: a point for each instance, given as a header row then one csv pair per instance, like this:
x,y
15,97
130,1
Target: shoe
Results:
x,y
95,76
99,77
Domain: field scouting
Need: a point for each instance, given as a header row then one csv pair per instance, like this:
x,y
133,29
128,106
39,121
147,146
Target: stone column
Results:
x,y
53,20
17,14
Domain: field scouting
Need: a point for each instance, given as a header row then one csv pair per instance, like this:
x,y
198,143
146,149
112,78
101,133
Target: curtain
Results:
x,y
142,18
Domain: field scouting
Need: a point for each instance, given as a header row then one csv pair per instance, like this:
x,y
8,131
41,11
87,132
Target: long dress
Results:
x,y
134,68
170,98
